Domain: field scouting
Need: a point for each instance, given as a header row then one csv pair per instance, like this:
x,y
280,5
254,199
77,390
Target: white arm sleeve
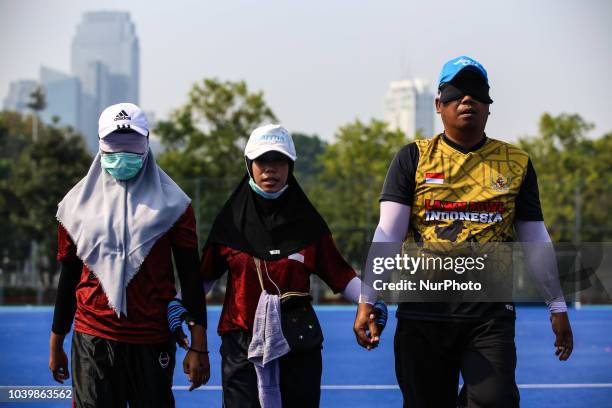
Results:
x,y
358,294
393,222
541,262
392,227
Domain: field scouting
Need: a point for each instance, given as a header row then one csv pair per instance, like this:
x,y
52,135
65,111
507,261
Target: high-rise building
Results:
x,y
409,107
105,57
19,95
105,70
63,97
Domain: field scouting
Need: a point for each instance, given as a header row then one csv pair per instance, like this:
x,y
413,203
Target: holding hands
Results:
x,y
196,364
370,322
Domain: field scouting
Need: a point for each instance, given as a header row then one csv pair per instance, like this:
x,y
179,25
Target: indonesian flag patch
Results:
x,y
434,178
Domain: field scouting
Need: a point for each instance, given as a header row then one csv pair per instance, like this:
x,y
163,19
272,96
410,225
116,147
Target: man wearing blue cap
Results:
x,y
461,186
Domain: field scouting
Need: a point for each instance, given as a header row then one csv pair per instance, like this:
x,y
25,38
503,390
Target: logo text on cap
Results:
x,y
122,116
464,61
271,138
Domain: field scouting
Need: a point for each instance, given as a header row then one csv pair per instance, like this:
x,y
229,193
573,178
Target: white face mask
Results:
x,y
265,194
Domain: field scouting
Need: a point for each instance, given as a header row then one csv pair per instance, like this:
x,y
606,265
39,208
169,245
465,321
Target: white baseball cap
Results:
x,y
122,116
270,138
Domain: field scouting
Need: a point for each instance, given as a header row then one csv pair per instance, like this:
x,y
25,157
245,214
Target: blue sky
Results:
x,y
321,64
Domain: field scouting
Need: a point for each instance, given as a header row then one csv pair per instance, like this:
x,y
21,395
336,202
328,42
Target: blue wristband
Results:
x,y
381,308
176,311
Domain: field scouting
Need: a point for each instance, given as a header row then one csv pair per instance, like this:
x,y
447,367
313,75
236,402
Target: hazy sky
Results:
x,y
322,64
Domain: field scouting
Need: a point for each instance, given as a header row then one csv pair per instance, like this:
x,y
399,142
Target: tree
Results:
x,y
349,185
573,176
307,165
204,141
38,102
35,177
15,134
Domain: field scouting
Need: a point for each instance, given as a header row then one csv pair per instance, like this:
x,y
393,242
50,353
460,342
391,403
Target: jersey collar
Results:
x,y
461,148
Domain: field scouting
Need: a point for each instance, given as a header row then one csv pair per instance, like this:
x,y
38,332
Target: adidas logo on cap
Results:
x,y
122,116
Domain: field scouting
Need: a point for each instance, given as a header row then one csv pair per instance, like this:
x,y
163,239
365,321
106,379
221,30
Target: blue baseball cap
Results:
x,y
456,65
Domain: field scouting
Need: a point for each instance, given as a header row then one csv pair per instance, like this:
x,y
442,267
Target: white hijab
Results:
x,y
114,224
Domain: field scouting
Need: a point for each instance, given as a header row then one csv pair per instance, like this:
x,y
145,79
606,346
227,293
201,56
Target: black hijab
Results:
x,y
269,229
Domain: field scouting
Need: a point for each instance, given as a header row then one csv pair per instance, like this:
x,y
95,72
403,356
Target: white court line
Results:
x,y
545,386
395,387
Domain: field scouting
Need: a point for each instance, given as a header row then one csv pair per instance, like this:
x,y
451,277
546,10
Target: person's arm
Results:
x,y
542,265
63,315
395,201
357,293
65,305
187,263
65,299
184,242
209,283
196,364
540,259
393,222
184,248
333,269
539,256
392,227
541,262
213,266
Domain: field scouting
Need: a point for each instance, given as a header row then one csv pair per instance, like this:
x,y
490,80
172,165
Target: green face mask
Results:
x,y
122,166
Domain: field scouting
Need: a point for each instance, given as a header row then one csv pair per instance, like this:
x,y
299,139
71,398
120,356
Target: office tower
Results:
x,y
409,107
63,96
105,57
19,95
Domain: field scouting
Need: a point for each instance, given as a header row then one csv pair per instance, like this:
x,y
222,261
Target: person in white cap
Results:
x,y
119,228
270,239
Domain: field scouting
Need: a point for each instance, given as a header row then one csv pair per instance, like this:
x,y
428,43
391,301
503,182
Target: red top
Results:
x,y
291,274
148,293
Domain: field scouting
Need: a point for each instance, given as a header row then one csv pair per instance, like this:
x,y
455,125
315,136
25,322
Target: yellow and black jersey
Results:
x,y
458,195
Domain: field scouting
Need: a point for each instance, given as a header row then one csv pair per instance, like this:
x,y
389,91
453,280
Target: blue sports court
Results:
x,y
352,376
